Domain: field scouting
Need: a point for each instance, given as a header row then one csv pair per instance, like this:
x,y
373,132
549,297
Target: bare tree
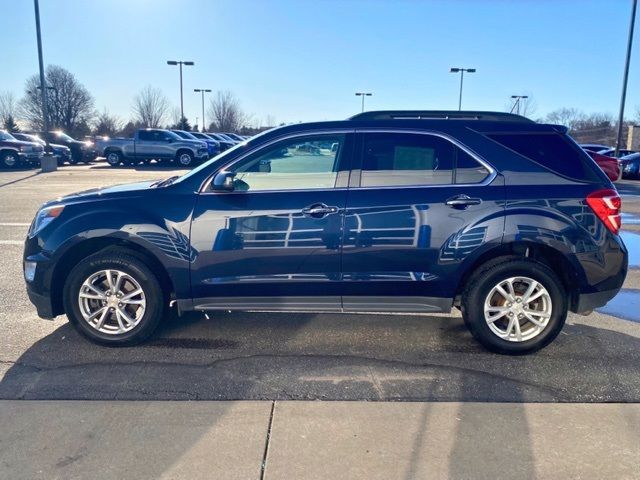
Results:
x,y
70,105
175,115
150,107
107,124
569,117
226,113
8,107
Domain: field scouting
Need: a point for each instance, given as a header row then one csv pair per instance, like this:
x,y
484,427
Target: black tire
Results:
x,y
184,158
126,262
489,275
9,159
113,158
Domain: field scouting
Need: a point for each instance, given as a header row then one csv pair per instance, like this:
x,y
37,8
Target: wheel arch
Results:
x,y
570,274
92,246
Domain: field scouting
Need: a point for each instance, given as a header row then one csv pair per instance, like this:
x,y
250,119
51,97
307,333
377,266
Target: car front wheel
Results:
x,y
514,307
9,159
114,299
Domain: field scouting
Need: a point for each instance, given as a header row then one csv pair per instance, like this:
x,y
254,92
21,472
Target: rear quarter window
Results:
x,y
553,151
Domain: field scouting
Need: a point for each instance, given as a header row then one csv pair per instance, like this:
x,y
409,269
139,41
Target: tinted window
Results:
x,y
397,159
145,135
552,151
302,163
468,169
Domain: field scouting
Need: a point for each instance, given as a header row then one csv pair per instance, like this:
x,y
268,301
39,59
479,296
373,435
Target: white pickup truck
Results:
x,y
152,143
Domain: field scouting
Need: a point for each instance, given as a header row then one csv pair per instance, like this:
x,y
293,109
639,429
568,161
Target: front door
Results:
x,y
275,240
419,206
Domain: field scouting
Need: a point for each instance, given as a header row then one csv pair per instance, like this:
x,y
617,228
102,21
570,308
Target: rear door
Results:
x,y
274,242
419,204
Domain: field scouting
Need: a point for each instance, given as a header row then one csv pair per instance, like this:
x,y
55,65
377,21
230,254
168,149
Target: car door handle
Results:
x,y
319,210
462,201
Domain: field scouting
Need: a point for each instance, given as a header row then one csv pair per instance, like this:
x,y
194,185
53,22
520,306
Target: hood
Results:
x,y
127,189
20,143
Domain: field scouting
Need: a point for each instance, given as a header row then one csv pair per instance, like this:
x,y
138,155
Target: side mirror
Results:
x,y
169,140
223,181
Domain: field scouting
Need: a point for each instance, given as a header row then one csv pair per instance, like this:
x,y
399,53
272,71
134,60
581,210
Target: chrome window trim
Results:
x,y
490,178
204,188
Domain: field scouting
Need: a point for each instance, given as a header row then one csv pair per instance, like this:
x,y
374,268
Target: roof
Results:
x,y
440,115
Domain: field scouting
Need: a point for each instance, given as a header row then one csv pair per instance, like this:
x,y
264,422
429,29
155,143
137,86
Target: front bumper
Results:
x,y
31,157
43,303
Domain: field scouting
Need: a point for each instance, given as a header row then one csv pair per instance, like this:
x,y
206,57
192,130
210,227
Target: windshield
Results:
x,y
63,136
187,135
6,136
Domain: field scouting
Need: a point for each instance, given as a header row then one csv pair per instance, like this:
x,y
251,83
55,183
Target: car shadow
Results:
x,y
281,356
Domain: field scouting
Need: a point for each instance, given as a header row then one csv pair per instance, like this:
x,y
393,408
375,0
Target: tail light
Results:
x,y
606,205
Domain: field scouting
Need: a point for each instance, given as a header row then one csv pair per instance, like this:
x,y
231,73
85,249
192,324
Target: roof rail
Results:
x,y
439,115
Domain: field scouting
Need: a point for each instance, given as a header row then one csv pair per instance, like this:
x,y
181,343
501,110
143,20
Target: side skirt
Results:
x,y
321,304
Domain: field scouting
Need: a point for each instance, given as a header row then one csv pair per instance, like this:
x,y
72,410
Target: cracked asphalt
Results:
x,y
309,356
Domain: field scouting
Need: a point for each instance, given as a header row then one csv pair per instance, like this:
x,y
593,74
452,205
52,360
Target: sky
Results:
x,y
303,60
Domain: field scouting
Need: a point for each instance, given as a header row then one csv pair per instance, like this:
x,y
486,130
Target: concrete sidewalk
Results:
x,y
308,440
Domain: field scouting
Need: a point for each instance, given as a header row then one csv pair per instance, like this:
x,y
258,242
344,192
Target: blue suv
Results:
x,y
503,218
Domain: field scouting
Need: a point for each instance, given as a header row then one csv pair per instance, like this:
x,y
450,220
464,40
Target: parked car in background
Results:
x,y
213,146
610,152
609,165
81,152
630,165
152,143
235,137
225,143
506,219
594,147
61,152
15,153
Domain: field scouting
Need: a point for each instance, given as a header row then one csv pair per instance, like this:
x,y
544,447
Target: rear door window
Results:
x,y
551,150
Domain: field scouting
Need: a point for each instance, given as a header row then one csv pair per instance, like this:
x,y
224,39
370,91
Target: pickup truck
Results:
x,y
14,153
152,143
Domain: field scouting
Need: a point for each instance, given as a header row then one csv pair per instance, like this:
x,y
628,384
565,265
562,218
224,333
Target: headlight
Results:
x,y
44,217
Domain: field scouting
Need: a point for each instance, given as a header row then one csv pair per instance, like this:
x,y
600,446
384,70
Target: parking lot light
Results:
x,y
516,104
461,71
180,63
363,94
202,91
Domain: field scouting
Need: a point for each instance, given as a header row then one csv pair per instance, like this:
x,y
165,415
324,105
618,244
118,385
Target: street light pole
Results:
x,y
43,90
626,77
461,70
516,104
180,63
202,91
363,94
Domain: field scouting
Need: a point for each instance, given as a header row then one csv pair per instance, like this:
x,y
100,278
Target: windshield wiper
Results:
x,y
166,181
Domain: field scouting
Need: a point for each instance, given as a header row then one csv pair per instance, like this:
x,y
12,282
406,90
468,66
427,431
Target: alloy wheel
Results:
x,y
112,302
518,309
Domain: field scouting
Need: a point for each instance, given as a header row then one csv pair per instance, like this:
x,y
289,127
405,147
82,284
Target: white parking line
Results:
x,y
11,242
9,224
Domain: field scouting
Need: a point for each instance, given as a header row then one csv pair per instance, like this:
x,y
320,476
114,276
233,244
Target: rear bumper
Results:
x,y
591,301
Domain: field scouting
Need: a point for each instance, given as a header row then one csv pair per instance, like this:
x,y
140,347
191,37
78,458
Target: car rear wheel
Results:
x,y
114,299
114,158
9,159
514,307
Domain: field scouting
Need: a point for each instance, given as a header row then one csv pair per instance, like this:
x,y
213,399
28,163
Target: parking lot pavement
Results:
x,y
253,356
